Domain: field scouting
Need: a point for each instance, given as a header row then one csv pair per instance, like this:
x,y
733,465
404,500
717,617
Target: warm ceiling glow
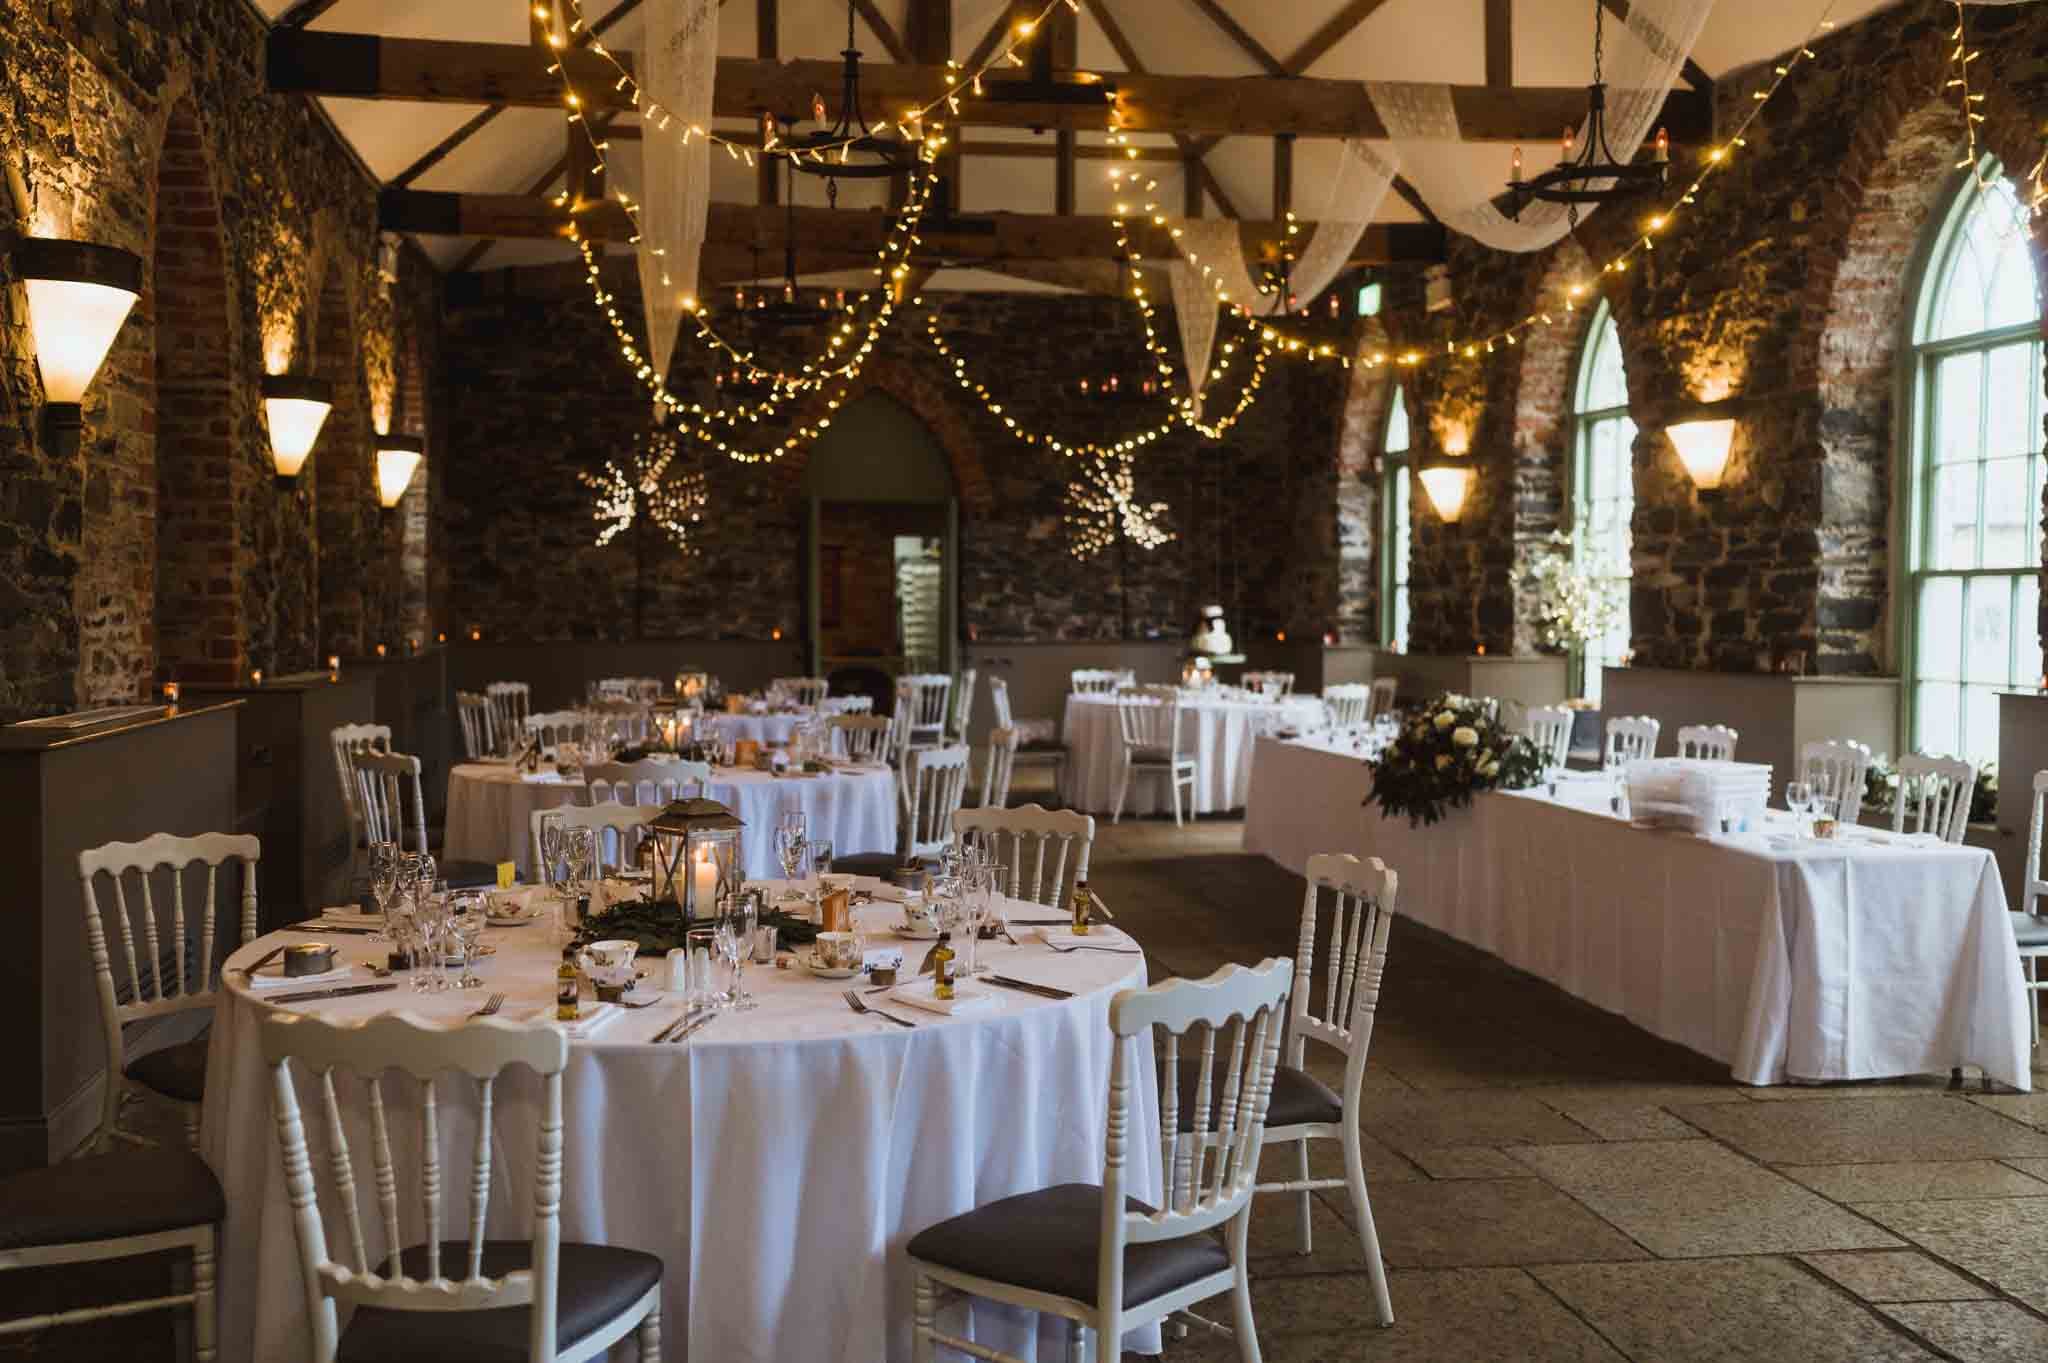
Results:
x,y
1703,449
398,458
79,294
296,407
1447,486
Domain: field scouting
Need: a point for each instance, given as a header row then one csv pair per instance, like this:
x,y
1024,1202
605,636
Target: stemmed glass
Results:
x,y
1799,799
735,941
553,845
791,841
384,857
466,926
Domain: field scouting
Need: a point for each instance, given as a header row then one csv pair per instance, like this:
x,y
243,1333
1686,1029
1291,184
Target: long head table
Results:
x,y
1216,733
1788,958
778,1161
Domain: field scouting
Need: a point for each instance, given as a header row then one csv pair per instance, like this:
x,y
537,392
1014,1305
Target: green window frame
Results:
x,y
1602,488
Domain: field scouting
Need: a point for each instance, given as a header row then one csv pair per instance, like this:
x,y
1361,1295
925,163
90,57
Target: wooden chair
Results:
x,y
1631,738
1349,704
1382,699
347,740
438,1300
1023,839
626,823
650,781
1713,742
554,727
962,712
2030,925
479,737
863,738
1101,681
169,974
1837,768
1104,1260
997,768
511,703
115,1206
1149,721
1303,1107
938,783
926,694
1550,729
1939,789
1277,683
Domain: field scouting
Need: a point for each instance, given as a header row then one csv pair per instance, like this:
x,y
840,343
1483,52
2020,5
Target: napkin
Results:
x,y
351,916
1097,936
595,1016
272,976
967,998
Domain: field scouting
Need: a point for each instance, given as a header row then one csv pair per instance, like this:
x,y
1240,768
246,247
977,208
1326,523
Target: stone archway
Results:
x,y
925,400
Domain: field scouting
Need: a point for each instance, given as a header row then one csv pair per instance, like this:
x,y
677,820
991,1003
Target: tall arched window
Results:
x,y
1602,486
1396,493
1976,469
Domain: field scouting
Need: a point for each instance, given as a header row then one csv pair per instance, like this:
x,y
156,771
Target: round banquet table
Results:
x,y
768,730
778,1161
1217,733
491,805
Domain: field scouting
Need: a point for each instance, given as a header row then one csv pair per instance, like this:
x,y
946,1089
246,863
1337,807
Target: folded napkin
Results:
x,y
967,997
595,1016
543,778
272,976
1097,936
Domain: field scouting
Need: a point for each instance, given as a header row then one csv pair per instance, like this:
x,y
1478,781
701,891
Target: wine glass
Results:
x,y
791,842
384,878
553,845
736,923
1798,798
466,925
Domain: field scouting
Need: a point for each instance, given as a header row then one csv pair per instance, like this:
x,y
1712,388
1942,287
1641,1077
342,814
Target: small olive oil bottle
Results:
x,y
1084,906
566,987
942,967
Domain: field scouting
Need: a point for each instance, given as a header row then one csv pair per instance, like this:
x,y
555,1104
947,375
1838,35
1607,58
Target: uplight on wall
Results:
x,y
79,294
1703,448
1447,484
398,458
296,406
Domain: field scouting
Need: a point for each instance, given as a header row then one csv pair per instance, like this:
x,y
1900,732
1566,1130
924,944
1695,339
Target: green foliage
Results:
x,y
1447,750
658,927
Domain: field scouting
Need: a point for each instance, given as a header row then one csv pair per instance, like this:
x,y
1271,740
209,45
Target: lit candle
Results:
x,y
334,667
256,677
1663,145
703,881
380,650
171,690
476,635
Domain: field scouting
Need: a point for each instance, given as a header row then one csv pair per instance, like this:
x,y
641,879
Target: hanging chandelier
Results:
x,y
1594,176
849,149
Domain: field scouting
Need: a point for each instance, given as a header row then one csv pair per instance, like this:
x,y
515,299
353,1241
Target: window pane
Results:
x,y
1980,726
1962,311
1952,538
1401,618
1397,423
2009,427
2010,295
1937,716
1958,408
1988,648
2007,516
1938,617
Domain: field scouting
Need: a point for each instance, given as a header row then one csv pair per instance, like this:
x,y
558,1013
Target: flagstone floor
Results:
x,y
1551,1183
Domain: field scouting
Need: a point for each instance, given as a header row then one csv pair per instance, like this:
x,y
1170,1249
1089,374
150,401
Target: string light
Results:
x,y
1102,505
646,487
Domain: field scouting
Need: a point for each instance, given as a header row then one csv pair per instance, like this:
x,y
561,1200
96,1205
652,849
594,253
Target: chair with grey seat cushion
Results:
x,y
1031,751
115,1206
1148,719
159,954
475,1299
1111,1268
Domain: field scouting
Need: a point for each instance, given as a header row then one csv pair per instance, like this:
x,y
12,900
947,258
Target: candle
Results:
x,y
171,691
334,667
256,677
703,882
380,650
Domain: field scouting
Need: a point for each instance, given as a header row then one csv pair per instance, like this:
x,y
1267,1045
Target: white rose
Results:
x,y
1445,719
1464,736
1489,768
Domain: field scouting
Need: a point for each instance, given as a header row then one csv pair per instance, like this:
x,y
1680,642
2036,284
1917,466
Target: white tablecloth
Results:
x,y
1857,959
1218,734
778,1162
764,729
490,809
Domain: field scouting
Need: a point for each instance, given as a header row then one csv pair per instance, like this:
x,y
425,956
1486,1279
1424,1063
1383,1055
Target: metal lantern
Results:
x,y
696,855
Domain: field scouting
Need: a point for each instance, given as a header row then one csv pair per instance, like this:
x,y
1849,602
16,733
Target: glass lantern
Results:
x,y
696,856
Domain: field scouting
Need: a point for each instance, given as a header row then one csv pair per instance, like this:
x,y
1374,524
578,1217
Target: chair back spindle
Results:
x,y
1631,738
938,783
1040,851
1939,790
479,736
1837,769
1550,729
1713,742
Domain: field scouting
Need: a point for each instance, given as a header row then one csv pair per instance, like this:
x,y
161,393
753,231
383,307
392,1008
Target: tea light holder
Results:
x,y
334,667
696,855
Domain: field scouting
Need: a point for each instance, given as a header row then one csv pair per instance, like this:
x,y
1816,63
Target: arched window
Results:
x,y
1602,486
1975,466
1396,491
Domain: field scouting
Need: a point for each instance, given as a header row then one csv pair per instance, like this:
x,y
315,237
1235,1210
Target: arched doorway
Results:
x,y
882,581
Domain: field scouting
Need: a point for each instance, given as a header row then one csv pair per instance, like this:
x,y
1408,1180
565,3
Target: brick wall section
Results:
x,y
341,470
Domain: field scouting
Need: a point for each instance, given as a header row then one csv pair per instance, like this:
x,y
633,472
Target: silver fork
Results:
x,y
860,1005
1114,951
491,1005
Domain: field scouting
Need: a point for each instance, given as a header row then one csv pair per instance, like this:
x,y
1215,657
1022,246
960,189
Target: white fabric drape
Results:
x,y
1356,191
679,66
1195,311
1642,61
1215,247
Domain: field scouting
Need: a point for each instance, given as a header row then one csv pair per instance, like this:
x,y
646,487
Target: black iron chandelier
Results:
x,y
849,149
1595,176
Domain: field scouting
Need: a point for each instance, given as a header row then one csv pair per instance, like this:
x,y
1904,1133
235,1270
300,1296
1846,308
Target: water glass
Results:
x,y
466,912
821,857
553,846
791,842
706,972
736,939
384,859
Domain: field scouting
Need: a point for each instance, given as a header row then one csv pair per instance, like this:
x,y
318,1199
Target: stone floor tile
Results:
x,y
1468,1161
1903,1086
1274,1240
1457,1223
1726,1311
2031,1108
2004,1241
1326,1160
1866,1131
1976,1332
1688,1199
1634,1112
2033,1168
1895,1275
1916,1181
1408,1123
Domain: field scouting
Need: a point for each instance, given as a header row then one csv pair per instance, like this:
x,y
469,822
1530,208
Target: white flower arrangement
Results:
x,y
1573,608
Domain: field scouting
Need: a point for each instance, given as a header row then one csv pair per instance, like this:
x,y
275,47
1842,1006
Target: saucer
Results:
x,y
912,932
809,961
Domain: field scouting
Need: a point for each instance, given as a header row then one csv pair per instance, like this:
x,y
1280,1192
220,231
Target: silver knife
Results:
x,y
688,1015
340,992
710,1015
265,959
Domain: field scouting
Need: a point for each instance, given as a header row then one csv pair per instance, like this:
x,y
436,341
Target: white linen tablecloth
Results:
x,y
768,730
1217,733
491,805
1863,958
778,1162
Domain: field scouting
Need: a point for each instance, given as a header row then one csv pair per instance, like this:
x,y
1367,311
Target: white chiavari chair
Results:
x,y
1148,720
1550,729
1303,1107
1382,699
938,784
1713,742
511,703
1348,704
649,781
848,705
619,829
630,720
1029,752
961,711
1042,852
862,738
1631,738
927,695
1092,1254
1274,683
165,971
554,727
998,767
2030,925
479,737
420,1298
1837,768
382,783
1939,789
805,691
1102,681
349,739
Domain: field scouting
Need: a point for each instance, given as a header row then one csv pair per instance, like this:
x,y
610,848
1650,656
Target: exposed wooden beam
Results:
x,y
767,45
370,67
1246,43
928,28
1063,45
1412,198
1195,173
970,238
304,12
1500,43
884,31
1283,176
1335,30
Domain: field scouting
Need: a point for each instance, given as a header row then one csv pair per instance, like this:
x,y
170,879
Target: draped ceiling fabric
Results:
x,y
1642,61
1356,191
1195,310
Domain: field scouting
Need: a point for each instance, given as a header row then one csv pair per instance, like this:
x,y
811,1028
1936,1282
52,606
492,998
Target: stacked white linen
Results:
x,y
1695,794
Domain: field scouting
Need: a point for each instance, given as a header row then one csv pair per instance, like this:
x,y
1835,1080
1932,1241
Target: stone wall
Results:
x,y
163,546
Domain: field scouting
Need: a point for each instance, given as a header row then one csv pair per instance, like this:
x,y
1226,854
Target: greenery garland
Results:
x,y
1446,750
658,927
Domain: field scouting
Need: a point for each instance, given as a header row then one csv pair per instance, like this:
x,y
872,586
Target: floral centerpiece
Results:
x,y
1446,750
1573,608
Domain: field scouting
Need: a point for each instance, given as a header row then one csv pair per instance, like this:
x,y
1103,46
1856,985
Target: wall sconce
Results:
x,y
1703,448
398,458
79,294
296,406
1447,483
